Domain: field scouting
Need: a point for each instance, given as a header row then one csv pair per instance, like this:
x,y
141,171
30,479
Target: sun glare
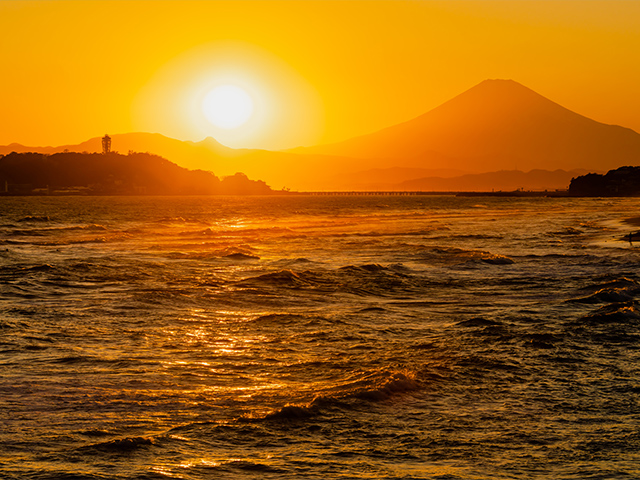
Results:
x,y
238,94
227,106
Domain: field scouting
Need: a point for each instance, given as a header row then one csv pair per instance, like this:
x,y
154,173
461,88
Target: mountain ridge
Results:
x,y
497,125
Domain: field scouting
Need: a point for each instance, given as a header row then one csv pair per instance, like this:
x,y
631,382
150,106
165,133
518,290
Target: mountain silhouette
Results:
x,y
138,142
498,125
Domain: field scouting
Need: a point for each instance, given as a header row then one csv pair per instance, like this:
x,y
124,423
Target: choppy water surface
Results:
x,y
318,337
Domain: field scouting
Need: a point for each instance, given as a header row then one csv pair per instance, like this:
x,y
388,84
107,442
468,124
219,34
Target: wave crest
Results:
x,y
375,387
121,444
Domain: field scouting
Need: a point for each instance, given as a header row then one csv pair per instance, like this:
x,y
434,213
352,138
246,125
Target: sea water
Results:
x,y
308,337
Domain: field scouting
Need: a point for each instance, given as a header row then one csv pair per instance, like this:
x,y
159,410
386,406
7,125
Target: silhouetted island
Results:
x,y
621,182
73,173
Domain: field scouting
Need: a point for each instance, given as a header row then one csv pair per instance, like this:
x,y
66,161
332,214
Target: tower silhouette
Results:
x,y
106,144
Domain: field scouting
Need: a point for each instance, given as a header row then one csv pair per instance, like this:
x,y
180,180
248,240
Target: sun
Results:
x,y
227,106
238,94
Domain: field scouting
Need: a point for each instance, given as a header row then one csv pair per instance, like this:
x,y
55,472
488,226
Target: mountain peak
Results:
x,y
490,94
503,81
502,87
208,142
496,125
500,81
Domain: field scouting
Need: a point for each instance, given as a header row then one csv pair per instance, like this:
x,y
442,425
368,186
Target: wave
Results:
x,y
361,280
114,238
293,412
378,386
77,275
13,324
373,310
478,322
607,295
239,464
291,262
240,232
615,321
468,236
241,256
376,279
119,445
27,233
290,318
461,255
84,266
282,278
72,359
45,267
87,241
56,230
566,231
35,218
170,220
397,383
91,228
497,259
236,253
366,268
618,290
562,256
195,255
623,312
424,232
62,475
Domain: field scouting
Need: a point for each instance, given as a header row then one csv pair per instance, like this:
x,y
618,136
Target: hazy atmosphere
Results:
x,y
319,71
319,240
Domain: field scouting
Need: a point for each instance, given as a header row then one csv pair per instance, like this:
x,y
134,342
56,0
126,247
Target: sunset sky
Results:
x,y
315,71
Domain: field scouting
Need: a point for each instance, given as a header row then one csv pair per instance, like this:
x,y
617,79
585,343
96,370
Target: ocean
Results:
x,y
319,337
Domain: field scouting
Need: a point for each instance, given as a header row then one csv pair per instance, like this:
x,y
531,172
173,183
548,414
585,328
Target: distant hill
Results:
x,y
140,142
496,126
114,174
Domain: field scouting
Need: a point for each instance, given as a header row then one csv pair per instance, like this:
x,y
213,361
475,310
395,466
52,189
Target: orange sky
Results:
x,y
319,71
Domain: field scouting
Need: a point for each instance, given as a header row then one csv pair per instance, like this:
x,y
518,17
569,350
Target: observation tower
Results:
x,y
106,144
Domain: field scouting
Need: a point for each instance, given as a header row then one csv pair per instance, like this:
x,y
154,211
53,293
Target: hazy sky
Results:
x,y
317,71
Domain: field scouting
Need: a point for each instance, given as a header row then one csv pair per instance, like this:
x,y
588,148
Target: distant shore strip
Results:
x,y
516,193
27,192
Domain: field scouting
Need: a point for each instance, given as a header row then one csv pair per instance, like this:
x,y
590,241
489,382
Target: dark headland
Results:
x,y
621,182
73,173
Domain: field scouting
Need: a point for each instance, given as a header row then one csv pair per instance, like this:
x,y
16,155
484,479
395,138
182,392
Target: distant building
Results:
x,y
106,144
